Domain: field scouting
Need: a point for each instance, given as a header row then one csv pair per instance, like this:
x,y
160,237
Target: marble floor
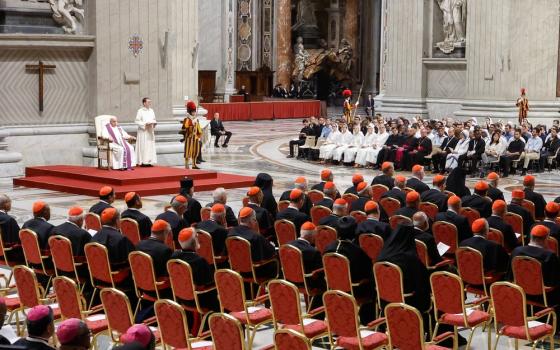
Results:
x,y
255,147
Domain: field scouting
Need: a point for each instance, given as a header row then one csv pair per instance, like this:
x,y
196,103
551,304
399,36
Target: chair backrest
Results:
x,y
284,301
341,313
239,250
447,291
509,304
378,191
226,331
285,231
404,326
117,310
390,205
288,339
205,213
371,244
527,274
62,255
283,205
205,247
470,213
389,282
337,272
67,296
292,263
530,206
129,228
181,278
470,265
552,244
422,252
324,236
97,258
397,220
496,236
92,221
172,324
27,286
142,268
516,222
245,201
318,212
30,245
100,122
230,290
446,233
315,196
430,209
349,198
359,216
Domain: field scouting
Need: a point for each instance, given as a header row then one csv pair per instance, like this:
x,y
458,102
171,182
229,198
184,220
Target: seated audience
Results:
x,y
40,223
416,180
452,216
356,179
385,179
10,231
436,195
73,334
216,227
531,195
532,150
292,213
412,205
517,197
40,329
551,211
340,209
134,204
478,200
422,233
140,334
364,195
117,244
307,130
72,229
474,152
513,153
496,221
106,198
192,212
174,215
300,184
493,191
265,183
372,223
156,248
219,196
3,311
447,147
264,217
330,193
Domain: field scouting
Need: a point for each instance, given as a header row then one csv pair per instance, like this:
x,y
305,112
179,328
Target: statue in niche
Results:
x,y
305,14
300,60
68,13
454,24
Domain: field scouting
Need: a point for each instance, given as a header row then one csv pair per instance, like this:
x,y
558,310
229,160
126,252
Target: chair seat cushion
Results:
x,y
436,347
474,318
255,317
534,332
97,323
370,340
311,330
12,301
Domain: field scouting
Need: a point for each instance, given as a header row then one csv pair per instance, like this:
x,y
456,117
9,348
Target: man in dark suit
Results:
x,y
369,105
134,204
10,231
292,213
340,209
452,216
474,152
117,244
192,213
478,200
495,257
155,247
531,195
436,195
496,221
264,218
219,196
216,227
447,146
106,198
40,223
356,179
513,152
326,176
397,192
416,181
422,150
174,215
301,184
493,191
423,234
517,197
306,131
372,223
551,211
412,205
385,179
364,195
217,130
72,229
330,192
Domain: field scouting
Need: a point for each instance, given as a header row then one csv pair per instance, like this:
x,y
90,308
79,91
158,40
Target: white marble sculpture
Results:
x,y
301,57
454,24
68,13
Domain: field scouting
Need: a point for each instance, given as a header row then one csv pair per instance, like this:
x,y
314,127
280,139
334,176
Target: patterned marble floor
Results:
x,y
255,147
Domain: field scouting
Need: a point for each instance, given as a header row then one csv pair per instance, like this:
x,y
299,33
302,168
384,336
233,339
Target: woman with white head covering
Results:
x,y
343,143
460,149
325,151
357,141
368,143
380,140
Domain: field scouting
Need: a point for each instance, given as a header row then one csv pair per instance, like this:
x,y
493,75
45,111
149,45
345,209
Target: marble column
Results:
x,y
350,32
284,43
371,35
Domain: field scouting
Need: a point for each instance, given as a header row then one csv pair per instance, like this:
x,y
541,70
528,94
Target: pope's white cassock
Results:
x,y
124,156
146,138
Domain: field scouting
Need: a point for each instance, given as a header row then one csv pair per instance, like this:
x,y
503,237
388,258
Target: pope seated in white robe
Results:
x,y
346,138
124,157
357,141
380,139
369,141
326,150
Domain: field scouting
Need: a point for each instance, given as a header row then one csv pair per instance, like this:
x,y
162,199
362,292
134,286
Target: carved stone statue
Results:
x,y
305,14
454,24
68,13
300,60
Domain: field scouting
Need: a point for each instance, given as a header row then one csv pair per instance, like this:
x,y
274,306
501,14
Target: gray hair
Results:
x,y
420,219
219,195
4,199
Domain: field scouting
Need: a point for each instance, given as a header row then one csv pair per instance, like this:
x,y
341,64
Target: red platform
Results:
x,y
145,181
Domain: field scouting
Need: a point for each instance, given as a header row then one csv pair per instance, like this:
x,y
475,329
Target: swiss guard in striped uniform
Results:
x,y
192,132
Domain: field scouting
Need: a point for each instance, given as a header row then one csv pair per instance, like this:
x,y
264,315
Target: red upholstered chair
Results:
x,y
186,293
510,305
430,209
285,231
34,257
342,320
92,222
315,196
552,245
324,236
349,198
470,213
283,205
445,232
286,313
338,277
406,330
227,332
422,251
471,270
527,273
146,285
240,260
129,228
119,313
7,262
318,212
73,305
205,213
390,205
496,236
530,206
287,339
293,269
174,329
63,259
450,307
397,220
389,284
206,249
371,244
378,191
359,216
100,271
516,222
231,294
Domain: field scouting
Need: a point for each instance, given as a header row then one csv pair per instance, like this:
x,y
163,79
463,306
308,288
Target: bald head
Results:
x,y
420,220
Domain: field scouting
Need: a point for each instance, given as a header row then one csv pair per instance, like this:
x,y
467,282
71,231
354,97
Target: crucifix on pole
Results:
x,y
41,68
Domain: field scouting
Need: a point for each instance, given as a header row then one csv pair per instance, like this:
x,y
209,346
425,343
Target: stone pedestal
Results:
x,y
284,43
11,163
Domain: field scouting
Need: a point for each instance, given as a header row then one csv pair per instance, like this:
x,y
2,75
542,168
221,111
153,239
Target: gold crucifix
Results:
x,y
41,67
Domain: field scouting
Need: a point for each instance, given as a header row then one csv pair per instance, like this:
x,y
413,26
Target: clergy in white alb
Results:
x,y
146,137
123,153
